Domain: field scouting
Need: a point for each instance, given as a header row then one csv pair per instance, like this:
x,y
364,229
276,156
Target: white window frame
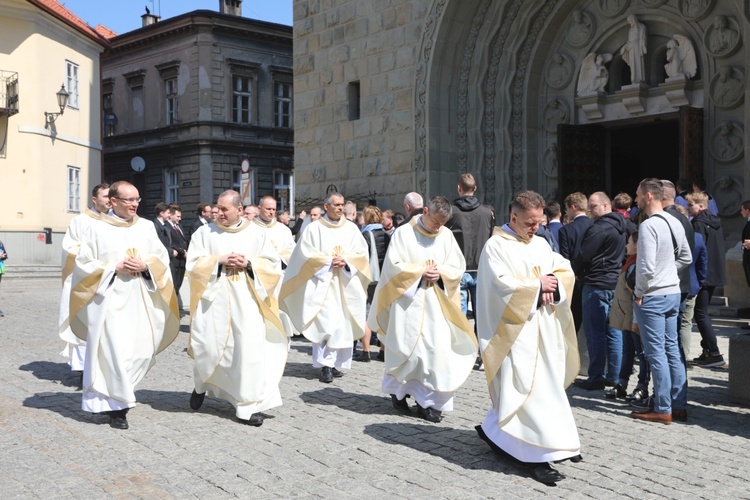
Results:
x,y
74,189
171,186
170,90
281,101
279,184
71,80
242,97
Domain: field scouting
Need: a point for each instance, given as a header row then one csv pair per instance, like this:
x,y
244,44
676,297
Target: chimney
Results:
x,y
231,7
149,18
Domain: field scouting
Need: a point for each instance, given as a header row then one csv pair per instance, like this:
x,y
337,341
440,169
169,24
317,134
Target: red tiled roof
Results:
x,y
105,32
54,8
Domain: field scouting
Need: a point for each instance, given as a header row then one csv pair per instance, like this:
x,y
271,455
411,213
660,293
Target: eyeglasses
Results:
x,y
129,201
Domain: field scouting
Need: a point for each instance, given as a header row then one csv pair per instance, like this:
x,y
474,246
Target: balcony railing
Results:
x,y
8,93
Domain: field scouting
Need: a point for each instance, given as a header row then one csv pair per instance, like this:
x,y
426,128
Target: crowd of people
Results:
x,y
629,276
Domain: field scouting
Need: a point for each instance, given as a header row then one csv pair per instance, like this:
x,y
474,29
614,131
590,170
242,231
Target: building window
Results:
x,y
74,189
109,118
354,96
72,84
170,87
241,99
236,179
171,186
283,190
283,104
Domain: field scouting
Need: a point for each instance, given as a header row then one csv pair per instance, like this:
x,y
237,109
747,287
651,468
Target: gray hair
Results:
x,y
234,197
330,197
439,206
669,190
414,199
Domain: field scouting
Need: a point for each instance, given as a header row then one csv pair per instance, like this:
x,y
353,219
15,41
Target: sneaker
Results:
x,y
711,361
643,403
701,358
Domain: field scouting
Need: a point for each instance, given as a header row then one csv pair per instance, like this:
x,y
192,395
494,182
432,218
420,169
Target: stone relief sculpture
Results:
x,y
594,75
728,195
727,143
681,62
555,113
727,87
613,8
634,50
695,9
559,71
721,39
581,29
549,166
654,3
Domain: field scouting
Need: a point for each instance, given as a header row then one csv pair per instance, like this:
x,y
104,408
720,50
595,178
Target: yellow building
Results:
x,y
50,157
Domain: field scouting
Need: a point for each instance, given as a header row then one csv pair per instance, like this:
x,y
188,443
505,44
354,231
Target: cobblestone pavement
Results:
x,y
342,440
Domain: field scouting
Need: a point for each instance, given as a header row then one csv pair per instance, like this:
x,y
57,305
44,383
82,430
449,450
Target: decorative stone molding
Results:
x,y
581,28
674,89
556,112
549,163
653,3
634,97
592,105
722,38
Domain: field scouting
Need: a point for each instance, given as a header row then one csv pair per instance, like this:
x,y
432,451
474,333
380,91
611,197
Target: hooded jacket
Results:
x,y
471,224
709,225
602,252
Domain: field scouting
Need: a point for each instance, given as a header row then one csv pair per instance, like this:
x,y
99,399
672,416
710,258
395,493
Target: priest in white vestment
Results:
x,y
528,343
75,349
123,303
236,337
281,239
430,347
324,288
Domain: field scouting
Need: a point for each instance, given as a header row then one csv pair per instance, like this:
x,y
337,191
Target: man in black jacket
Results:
x,y
413,204
203,213
600,261
162,227
178,256
472,225
709,226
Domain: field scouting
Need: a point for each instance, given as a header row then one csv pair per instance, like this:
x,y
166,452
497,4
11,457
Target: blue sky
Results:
x,y
122,16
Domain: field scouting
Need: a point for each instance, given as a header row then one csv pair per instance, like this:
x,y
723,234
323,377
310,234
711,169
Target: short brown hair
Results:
x,y
467,182
578,199
373,215
526,200
623,201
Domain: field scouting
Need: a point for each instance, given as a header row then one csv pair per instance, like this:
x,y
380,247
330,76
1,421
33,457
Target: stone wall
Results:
x,y
338,42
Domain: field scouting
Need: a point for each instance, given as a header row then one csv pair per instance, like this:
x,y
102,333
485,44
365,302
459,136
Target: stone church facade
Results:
x,y
394,96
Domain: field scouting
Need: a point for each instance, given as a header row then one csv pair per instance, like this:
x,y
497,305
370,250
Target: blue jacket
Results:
x,y
699,266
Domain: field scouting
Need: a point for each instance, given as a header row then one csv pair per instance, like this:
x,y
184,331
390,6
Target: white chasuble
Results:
x,y
327,305
75,349
126,318
236,338
426,336
530,354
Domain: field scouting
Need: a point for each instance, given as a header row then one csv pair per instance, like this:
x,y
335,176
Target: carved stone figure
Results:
x,y
559,71
721,37
728,145
693,8
728,195
727,87
612,7
581,29
555,113
681,60
550,160
594,76
634,50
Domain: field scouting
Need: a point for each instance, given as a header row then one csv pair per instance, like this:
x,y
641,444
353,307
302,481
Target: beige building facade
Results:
x,y
48,165
397,96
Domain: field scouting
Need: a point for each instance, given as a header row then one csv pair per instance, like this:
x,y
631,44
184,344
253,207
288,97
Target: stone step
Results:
x,y
718,300
32,271
739,323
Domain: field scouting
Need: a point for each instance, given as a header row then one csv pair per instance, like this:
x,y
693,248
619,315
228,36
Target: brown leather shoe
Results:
x,y
662,418
680,415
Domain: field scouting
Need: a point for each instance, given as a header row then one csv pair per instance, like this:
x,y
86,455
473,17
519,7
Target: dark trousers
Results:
x,y
708,336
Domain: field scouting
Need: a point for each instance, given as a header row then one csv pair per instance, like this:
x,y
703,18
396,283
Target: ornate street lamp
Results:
x,y
62,101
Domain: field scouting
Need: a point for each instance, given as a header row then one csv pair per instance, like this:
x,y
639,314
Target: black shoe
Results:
x,y
711,361
381,354
336,373
588,385
196,400
637,395
255,420
326,375
546,474
79,387
401,405
607,383
430,414
645,403
617,392
118,420
363,356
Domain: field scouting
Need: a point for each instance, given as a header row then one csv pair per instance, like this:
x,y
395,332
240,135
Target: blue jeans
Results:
x,y
632,350
469,286
604,342
657,320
